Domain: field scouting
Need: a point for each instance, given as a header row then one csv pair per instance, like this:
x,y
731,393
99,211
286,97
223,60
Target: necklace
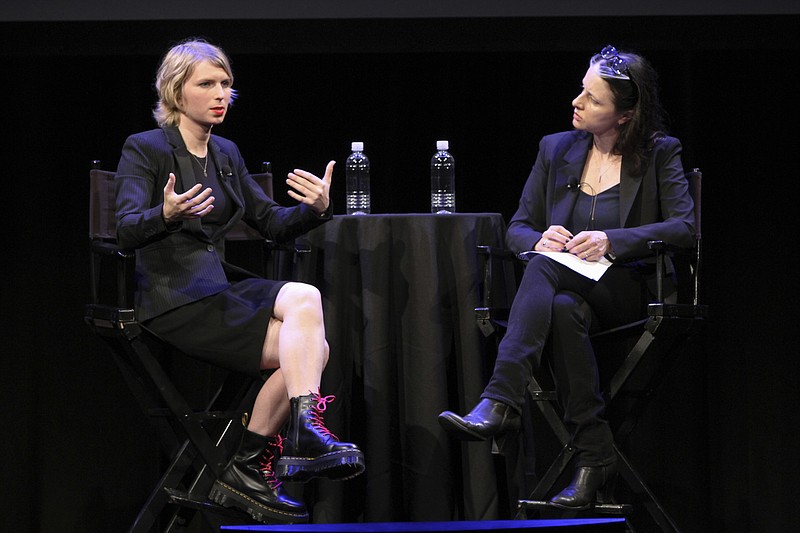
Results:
x,y
203,164
612,160
603,170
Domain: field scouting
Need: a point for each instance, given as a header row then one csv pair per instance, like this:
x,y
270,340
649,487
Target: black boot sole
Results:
x,y
336,466
227,496
569,507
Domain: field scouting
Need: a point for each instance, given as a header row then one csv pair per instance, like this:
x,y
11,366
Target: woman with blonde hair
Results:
x,y
180,189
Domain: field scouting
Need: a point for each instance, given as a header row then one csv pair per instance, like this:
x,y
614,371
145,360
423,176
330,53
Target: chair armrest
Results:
x,y
495,268
295,247
110,249
122,260
661,246
662,249
499,253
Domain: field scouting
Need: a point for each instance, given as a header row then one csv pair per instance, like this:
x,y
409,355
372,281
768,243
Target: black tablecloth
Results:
x,y
399,293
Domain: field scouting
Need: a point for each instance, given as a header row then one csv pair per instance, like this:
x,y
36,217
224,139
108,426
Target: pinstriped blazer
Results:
x,y
181,264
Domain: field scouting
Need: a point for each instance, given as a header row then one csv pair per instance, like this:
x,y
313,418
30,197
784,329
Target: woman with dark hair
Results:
x,y
180,189
598,193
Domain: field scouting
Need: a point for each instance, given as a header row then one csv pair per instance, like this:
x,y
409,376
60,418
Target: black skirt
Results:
x,y
227,329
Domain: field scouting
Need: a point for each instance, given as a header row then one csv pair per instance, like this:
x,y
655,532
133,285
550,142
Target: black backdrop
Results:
x,y
76,453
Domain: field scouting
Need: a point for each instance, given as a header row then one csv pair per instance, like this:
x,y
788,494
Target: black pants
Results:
x,y
555,303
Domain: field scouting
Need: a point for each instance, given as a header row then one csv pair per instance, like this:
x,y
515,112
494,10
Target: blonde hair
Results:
x,y
177,65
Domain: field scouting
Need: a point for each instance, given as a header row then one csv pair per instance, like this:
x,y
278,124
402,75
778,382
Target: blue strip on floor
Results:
x,y
483,525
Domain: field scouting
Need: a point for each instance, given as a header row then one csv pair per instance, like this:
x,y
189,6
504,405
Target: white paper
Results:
x,y
591,269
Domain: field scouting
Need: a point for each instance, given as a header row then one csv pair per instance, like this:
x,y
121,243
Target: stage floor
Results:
x,y
585,525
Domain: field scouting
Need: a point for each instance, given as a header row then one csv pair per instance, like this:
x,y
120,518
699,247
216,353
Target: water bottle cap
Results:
x,y
442,145
357,146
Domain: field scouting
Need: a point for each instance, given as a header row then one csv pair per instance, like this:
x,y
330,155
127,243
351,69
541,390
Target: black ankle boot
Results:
x,y
587,485
487,419
249,483
311,450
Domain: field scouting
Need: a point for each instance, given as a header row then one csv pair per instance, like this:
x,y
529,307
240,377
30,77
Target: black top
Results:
x,y
223,209
599,212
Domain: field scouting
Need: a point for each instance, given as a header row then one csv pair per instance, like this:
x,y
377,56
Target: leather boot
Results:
x,y
311,450
488,419
249,483
589,484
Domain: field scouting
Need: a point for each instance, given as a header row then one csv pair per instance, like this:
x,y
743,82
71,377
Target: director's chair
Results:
x,y
651,345
198,429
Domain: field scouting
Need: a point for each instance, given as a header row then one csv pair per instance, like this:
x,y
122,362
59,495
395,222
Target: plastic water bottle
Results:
x,y
443,180
357,178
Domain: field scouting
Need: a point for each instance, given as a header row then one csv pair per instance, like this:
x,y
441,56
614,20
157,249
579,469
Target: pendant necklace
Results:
x,y
611,161
203,164
605,169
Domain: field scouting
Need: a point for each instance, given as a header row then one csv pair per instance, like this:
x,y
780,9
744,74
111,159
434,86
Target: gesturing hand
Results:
x,y
191,204
311,190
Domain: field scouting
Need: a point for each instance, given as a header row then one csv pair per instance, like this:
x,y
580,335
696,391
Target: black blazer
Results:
x,y
654,204
180,264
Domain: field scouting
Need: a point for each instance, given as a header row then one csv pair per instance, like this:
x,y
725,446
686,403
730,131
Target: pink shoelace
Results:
x,y
319,408
267,460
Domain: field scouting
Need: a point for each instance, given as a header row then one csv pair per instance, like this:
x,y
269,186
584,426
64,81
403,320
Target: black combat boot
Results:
x,y
249,483
310,450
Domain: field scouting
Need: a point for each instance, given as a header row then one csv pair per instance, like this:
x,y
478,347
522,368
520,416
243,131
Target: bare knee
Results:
x,y
298,298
